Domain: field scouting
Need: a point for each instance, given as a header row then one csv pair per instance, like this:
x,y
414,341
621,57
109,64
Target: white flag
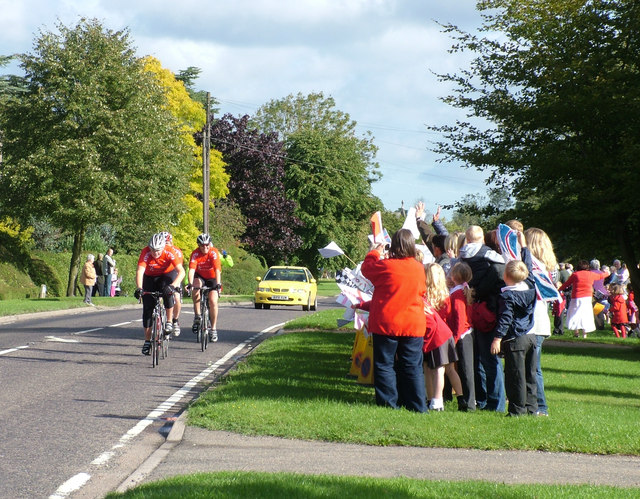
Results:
x,y
330,250
411,224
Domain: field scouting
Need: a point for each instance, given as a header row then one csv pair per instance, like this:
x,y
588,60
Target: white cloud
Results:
x,y
375,57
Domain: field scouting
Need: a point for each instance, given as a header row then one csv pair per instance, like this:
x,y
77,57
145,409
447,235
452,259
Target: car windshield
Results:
x,y
286,275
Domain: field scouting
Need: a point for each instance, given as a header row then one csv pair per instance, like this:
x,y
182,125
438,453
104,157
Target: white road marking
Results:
x,y
60,340
120,324
81,479
89,330
71,485
10,350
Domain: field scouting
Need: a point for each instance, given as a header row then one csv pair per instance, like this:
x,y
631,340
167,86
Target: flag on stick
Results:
x,y
376,228
330,250
510,249
410,223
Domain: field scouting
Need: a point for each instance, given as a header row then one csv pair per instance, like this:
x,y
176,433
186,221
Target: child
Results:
x,y
515,319
459,320
439,347
618,310
632,310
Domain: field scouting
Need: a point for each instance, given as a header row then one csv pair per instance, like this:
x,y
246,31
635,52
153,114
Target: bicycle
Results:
x,y
159,340
205,321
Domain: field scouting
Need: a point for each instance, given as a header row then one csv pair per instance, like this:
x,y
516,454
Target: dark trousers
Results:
x,y
520,364
398,376
489,377
464,348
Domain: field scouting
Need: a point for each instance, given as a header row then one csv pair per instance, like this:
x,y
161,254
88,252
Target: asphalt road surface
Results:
x,y
79,404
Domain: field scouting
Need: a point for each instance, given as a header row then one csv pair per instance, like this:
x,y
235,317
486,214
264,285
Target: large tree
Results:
x,y
192,116
555,86
255,162
92,140
329,172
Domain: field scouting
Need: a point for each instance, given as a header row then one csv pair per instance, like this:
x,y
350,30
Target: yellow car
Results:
x,y
287,286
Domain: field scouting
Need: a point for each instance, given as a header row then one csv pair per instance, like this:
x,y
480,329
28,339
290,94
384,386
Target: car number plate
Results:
x,y
279,297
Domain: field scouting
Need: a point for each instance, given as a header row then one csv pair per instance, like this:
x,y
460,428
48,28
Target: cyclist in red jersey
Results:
x,y
158,270
178,294
204,269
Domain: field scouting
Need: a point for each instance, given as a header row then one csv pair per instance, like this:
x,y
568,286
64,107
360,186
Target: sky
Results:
x,y
376,58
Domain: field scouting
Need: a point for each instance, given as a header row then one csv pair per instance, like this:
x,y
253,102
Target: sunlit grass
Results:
x,y
298,486
297,383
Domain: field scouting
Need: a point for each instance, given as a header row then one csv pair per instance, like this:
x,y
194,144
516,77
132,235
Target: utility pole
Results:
x,y
206,148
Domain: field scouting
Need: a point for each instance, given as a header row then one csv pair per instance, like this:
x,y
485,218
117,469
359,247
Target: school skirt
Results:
x,y
443,355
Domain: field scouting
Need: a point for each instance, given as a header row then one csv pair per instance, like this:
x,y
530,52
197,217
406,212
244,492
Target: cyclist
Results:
x,y
178,294
204,269
158,270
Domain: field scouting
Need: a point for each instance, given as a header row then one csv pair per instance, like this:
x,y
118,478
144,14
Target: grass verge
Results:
x,y
294,486
296,380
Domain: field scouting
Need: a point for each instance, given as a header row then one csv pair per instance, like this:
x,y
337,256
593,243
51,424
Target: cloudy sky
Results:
x,y
376,58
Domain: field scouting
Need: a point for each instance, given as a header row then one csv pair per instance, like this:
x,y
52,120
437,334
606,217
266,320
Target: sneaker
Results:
x,y
146,348
176,328
196,324
213,335
168,328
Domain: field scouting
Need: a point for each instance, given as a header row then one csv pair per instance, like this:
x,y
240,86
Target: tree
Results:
x,y
486,211
558,93
188,77
255,162
92,139
329,172
192,117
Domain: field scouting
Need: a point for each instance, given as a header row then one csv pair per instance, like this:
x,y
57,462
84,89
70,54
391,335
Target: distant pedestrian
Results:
x,y
88,278
98,289
108,266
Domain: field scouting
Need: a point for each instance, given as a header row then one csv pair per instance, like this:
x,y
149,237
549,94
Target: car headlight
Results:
x,y
263,290
298,290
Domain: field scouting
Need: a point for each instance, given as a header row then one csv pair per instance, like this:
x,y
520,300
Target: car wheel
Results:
x,y
308,305
315,304
258,305
266,306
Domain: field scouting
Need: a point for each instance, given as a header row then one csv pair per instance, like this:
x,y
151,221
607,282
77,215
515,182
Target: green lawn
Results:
x,y
296,379
296,486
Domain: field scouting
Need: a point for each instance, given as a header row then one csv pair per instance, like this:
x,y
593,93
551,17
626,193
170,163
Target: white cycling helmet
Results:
x,y
158,241
168,237
204,239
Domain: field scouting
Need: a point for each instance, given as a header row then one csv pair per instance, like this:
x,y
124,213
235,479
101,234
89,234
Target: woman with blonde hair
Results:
x,y
541,249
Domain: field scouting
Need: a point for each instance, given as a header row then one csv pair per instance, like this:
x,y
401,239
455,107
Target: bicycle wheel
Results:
x,y
155,330
204,322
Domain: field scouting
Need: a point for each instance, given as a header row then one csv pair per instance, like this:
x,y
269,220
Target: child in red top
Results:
x,y
632,310
439,346
618,310
459,320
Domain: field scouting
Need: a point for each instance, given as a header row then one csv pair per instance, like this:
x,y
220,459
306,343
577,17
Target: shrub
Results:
x,y
241,278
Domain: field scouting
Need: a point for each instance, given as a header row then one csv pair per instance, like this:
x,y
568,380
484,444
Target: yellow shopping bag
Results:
x,y
365,376
359,346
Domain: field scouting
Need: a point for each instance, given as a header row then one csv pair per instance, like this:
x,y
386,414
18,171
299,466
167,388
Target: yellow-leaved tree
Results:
x,y
192,116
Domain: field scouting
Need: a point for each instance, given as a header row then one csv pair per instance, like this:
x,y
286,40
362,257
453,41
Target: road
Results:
x,y
80,406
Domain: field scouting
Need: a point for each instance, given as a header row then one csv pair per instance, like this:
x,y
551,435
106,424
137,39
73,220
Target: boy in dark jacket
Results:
x,y
515,319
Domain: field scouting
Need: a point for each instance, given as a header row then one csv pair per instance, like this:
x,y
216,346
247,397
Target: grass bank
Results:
x,y
297,379
296,486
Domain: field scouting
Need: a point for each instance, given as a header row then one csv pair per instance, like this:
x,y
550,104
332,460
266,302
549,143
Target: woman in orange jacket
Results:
x,y
397,322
